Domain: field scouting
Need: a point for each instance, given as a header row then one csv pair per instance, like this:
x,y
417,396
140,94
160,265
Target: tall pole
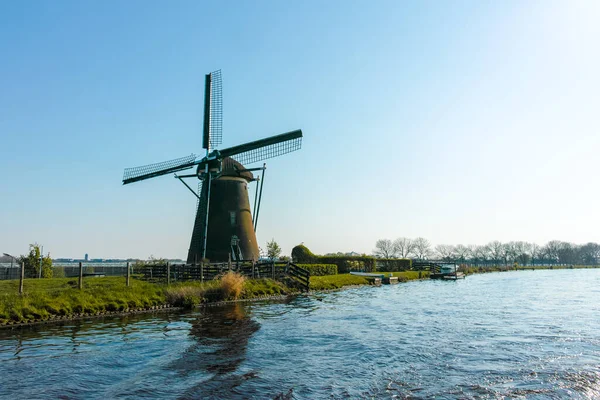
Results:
x,y
206,218
255,202
22,277
262,182
41,258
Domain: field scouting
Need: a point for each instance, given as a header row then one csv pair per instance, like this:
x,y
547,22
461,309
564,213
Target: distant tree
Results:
x,y
32,263
496,251
422,248
156,260
384,248
403,247
534,252
567,253
479,254
522,253
590,253
462,253
445,252
273,250
551,250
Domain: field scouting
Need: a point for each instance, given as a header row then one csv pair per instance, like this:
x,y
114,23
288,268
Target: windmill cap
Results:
x,y
231,167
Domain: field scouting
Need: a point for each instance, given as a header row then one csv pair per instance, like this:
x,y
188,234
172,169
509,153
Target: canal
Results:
x,y
525,334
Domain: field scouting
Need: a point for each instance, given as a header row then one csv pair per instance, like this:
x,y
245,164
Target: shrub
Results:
x,y
232,285
301,254
320,269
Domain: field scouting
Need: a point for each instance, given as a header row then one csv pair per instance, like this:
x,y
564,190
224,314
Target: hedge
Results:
x,y
320,269
345,264
301,254
394,264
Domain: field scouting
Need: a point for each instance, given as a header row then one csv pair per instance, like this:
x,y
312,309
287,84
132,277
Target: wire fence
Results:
x,y
70,270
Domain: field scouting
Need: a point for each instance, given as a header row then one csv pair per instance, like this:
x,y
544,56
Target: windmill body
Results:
x,y
224,227
230,228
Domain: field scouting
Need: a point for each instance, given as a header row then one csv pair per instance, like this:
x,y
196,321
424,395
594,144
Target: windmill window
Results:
x,y
232,217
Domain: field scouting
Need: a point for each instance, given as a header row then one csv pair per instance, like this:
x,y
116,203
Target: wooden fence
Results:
x,y
288,273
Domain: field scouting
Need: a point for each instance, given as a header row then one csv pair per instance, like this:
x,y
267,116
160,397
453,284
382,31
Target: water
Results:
x,y
526,334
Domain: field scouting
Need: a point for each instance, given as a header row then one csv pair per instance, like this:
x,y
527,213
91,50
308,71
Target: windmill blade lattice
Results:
x,y
264,149
213,111
216,109
151,170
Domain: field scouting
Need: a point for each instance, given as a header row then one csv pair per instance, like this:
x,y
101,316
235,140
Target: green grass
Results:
x,y
329,282
190,294
45,299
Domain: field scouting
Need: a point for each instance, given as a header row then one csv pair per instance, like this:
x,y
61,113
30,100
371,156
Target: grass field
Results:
x,y
329,282
45,299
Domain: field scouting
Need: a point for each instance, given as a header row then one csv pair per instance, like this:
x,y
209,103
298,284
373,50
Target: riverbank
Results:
x,y
59,299
332,282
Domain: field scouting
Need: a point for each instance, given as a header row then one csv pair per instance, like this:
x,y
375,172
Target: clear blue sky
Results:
x,y
459,121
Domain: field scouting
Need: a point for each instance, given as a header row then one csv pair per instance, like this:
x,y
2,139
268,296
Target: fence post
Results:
x,y
128,274
80,275
273,270
201,271
168,273
22,277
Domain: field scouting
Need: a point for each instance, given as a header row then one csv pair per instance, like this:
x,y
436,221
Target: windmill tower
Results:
x,y
224,227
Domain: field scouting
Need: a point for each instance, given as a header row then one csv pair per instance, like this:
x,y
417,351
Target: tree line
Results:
x,y
555,252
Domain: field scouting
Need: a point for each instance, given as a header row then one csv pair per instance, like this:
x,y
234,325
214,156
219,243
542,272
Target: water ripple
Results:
x,y
526,334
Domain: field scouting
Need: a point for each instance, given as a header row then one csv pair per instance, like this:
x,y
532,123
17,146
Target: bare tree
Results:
x,y
567,253
551,250
404,247
590,253
462,253
534,251
482,253
384,248
522,252
445,252
422,248
495,249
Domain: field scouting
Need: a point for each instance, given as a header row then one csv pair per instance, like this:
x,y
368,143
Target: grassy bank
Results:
x,y
48,299
329,282
502,268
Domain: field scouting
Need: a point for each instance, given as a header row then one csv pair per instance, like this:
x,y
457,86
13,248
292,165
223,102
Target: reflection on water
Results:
x,y
220,338
531,334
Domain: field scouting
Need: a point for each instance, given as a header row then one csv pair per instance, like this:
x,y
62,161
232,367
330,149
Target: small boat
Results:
x,y
448,272
367,274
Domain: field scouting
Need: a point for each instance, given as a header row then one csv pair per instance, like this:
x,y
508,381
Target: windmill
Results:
x,y
224,227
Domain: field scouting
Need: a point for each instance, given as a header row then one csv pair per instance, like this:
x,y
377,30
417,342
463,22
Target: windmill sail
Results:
x,y
264,149
213,111
150,171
